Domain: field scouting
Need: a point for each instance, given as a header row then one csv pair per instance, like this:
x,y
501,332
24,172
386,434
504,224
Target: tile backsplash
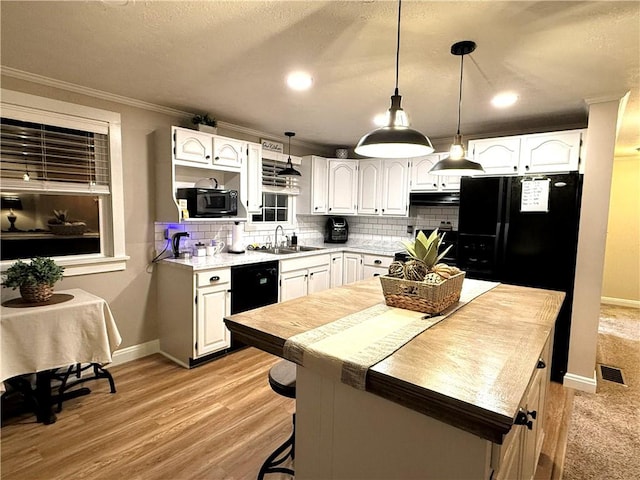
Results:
x,y
310,228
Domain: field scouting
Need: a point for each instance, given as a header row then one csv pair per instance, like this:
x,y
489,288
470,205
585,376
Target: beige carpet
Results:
x,y
604,433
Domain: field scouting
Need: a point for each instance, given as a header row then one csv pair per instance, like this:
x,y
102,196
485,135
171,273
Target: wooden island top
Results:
x,y
470,371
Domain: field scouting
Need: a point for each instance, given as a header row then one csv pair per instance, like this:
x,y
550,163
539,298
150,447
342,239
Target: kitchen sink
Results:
x,y
288,250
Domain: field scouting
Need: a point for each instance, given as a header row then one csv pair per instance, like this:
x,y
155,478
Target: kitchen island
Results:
x,y
463,399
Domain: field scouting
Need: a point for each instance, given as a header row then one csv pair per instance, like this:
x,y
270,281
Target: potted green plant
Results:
x,y
205,123
35,279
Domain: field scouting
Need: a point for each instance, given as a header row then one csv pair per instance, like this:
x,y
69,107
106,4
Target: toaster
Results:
x,y
336,230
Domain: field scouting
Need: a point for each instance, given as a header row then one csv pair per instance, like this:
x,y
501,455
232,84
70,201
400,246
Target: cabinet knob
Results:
x,y
215,278
330,208
515,168
376,210
526,167
207,157
541,363
315,208
522,418
377,262
533,414
376,274
217,158
311,275
444,184
435,185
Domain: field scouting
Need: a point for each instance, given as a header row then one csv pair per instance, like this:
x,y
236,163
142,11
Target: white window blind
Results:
x,y
272,183
53,158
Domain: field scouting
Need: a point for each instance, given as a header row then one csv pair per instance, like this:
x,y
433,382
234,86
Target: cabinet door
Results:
x,y
293,284
211,333
227,152
369,187
550,152
192,146
421,179
319,279
343,186
395,185
319,190
352,271
253,194
498,156
336,269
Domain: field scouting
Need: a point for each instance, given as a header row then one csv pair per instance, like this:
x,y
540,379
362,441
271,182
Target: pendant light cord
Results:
x,y
398,46
460,95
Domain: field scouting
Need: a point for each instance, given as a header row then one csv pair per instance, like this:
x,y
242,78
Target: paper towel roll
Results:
x,y
237,238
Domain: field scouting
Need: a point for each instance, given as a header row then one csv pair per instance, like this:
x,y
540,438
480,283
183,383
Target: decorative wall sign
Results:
x,y
272,146
535,195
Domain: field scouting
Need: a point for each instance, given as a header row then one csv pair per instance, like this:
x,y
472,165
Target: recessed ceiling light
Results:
x,y
504,100
299,81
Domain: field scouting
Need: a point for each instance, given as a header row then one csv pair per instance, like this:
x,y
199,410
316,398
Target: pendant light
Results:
x,y
456,163
289,171
395,139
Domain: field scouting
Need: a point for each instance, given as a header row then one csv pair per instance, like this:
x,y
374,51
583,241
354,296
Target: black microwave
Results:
x,y
209,202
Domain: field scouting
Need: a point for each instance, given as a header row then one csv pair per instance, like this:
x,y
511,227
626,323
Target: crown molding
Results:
x,y
112,97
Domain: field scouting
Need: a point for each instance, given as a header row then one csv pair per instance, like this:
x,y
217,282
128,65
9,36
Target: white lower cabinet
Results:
x,y
375,265
304,275
191,309
352,268
517,457
336,269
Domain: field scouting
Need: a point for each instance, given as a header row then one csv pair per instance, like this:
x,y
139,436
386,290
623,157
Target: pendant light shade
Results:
x,y
456,163
396,139
289,171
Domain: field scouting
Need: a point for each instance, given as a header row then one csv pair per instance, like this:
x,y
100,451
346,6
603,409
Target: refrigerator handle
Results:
x,y
506,218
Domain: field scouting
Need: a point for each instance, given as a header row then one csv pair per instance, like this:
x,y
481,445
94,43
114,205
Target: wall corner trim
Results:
x,y
584,384
135,351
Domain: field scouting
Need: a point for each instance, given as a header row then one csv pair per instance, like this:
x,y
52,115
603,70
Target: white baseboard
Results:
x,y
584,384
623,302
134,352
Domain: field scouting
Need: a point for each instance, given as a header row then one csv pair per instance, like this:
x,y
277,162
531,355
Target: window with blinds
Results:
x,y
271,182
64,159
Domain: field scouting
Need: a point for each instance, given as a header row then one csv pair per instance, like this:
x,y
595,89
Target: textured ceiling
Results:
x,y
230,59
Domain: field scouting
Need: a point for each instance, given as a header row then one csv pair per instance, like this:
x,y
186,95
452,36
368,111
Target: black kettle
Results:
x,y
175,243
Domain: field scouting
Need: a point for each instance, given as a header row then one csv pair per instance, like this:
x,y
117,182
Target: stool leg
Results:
x,y
270,465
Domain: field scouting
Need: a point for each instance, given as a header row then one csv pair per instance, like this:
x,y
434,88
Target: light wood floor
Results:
x,y
217,421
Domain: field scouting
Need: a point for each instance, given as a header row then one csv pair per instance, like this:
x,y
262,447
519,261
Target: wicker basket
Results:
x,y
419,296
71,229
36,293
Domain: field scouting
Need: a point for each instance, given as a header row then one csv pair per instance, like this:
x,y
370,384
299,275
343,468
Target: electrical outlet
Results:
x,y
410,229
169,232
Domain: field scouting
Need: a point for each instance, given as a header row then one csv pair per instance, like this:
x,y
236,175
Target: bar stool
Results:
x,y
282,378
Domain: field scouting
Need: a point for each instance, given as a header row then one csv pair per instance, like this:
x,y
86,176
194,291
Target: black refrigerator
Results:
x,y
524,231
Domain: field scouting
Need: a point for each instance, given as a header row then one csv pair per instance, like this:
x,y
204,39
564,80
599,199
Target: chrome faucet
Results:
x,y
275,238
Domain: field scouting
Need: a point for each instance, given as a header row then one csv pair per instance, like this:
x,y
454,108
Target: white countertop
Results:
x,y
226,259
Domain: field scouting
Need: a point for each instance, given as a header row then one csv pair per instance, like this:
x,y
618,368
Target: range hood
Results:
x,y
434,198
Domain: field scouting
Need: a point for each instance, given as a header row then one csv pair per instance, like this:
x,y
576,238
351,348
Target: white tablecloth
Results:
x,y
32,339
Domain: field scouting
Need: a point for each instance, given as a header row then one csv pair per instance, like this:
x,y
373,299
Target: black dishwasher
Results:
x,y
253,285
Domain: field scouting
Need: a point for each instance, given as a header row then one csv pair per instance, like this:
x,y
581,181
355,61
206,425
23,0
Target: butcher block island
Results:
x,y
464,399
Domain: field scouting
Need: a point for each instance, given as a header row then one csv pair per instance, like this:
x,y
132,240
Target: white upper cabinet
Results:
x,y
498,156
522,154
227,152
192,146
550,152
369,186
319,177
343,187
423,181
395,185
253,192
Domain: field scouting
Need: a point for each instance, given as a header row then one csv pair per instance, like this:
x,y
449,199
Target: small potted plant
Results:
x,y
35,279
204,123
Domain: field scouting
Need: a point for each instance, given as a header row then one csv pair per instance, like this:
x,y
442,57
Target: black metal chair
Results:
x,y
282,378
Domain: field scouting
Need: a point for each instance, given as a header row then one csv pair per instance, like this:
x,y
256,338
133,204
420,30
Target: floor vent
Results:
x,y
612,374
